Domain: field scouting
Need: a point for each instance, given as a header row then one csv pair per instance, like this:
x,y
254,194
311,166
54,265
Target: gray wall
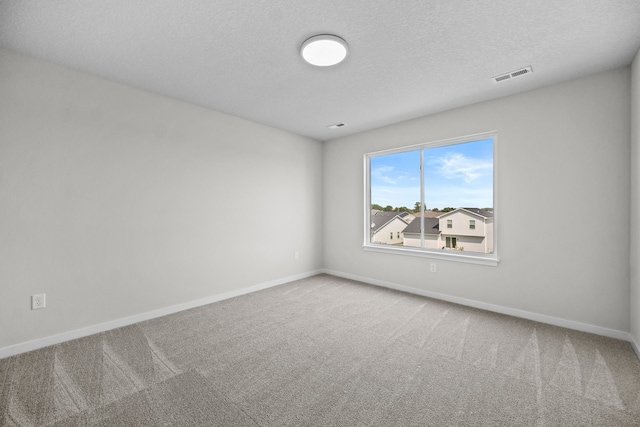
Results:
x,y
563,187
635,200
115,201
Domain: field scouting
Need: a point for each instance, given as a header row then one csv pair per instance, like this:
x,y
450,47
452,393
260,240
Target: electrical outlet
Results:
x,y
296,255
433,267
38,301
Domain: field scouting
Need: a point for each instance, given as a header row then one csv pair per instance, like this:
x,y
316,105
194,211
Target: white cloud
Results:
x,y
395,196
458,166
389,175
383,174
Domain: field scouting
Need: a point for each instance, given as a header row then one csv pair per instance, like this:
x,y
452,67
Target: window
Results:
x,y
440,184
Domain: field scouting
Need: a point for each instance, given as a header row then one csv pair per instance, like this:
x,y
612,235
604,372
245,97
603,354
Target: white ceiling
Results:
x,y
408,58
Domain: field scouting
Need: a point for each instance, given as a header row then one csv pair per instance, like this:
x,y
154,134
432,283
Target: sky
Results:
x,y
456,176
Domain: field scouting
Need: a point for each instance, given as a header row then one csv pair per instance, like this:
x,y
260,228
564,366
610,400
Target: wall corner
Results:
x,y
634,253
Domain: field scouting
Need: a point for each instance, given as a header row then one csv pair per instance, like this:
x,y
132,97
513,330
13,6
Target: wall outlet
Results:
x,y
296,255
433,267
38,301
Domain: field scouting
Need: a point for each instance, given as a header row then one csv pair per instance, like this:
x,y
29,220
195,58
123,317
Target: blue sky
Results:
x,y
458,175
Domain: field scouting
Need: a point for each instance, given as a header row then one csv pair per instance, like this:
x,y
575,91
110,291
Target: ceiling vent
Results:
x,y
511,75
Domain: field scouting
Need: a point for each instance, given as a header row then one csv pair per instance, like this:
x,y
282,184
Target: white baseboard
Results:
x,y
635,345
118,323
569,324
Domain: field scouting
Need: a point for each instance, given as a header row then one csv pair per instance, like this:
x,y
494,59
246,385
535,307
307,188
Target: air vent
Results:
x,y
517,73
335,125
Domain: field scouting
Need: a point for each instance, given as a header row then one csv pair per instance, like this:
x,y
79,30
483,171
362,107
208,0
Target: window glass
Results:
x,y
427,194
394,179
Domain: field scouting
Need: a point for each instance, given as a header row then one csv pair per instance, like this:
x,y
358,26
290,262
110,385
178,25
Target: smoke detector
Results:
x,y
335,125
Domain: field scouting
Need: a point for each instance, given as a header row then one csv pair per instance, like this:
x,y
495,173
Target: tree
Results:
x,y
390,208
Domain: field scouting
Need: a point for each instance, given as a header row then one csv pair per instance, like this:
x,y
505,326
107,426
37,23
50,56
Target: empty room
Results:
x,y
319,213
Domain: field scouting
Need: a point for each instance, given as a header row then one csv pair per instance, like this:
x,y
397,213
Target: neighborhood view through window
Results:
x,y
434,197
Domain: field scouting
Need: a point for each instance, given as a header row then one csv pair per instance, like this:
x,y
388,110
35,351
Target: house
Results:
x,y
126,130
431,235
387,227
428,214
468,229
463,229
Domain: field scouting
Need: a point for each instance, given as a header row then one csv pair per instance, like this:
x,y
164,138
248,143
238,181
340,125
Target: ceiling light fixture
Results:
x,y
324,50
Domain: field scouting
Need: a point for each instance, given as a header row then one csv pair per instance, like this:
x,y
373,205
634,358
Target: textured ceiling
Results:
x,y
408,58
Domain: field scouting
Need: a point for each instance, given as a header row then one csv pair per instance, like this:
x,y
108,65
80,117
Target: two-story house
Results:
x,y
469,229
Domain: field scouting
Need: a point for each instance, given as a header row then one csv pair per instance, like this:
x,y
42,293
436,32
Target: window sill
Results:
x,y
456,256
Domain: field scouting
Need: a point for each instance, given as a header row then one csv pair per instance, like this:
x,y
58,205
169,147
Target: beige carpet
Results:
x,y
325,351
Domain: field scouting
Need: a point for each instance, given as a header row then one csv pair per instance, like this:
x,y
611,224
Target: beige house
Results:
x,y
463,229
387,227
468,229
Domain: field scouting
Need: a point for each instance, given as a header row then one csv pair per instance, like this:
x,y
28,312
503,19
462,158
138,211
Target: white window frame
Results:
x,y
448,255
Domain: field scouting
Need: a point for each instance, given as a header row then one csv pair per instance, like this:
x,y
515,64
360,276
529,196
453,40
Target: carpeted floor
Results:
x,y
326,351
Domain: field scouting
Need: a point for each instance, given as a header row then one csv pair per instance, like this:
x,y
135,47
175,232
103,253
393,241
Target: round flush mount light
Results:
x,y
324,50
